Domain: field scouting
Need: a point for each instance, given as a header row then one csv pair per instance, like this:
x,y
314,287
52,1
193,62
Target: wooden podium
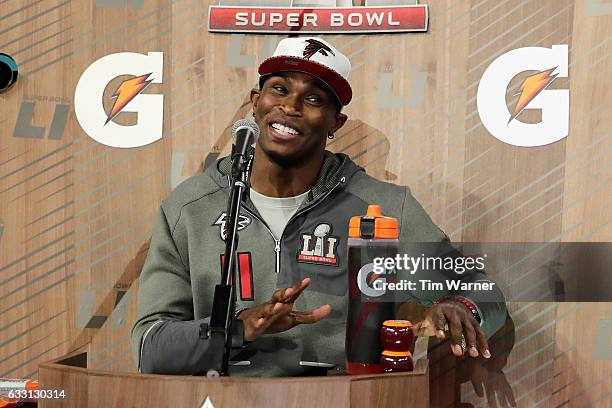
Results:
x,y
103,389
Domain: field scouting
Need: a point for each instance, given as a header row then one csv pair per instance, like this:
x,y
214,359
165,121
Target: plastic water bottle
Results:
x,y
370,236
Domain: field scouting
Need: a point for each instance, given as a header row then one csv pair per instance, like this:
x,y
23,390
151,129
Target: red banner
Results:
x,y
349,20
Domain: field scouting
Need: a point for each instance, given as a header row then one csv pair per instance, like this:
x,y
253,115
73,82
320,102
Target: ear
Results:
x,y
340,121
255,94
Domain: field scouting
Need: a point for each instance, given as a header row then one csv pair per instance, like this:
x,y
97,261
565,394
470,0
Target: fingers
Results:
x,y
425,328
470,338
276,315
439,321
269,309
277,309
265,316
466,334
311,316
297,290
289,295
483,343
266,312
456,331
476,340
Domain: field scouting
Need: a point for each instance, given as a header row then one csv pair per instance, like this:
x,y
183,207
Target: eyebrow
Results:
x,y
315,82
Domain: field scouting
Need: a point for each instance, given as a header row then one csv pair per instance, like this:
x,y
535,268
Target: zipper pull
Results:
x,y
277,250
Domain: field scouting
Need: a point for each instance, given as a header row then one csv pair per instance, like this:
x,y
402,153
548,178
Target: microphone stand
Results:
x,y
224,301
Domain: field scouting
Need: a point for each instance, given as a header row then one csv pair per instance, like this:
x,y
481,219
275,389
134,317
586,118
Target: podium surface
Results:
x,y
96,389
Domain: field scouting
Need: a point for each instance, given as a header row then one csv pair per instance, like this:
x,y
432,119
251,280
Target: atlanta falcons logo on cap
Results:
x,y
243,222
315,46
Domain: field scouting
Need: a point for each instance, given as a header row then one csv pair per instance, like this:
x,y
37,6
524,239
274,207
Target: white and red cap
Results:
x,y
313,56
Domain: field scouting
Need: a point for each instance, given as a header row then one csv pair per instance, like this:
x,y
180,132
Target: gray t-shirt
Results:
x,y
277,211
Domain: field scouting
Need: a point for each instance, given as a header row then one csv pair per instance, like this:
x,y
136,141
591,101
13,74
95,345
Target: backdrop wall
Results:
x,y
77,215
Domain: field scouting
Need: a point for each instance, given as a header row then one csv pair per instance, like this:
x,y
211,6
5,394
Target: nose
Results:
x,y
292,105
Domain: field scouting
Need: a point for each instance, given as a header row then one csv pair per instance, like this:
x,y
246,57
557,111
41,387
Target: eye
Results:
x,y
279,88
315,99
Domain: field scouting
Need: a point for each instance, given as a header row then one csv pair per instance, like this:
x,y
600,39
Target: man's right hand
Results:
x,y
277,314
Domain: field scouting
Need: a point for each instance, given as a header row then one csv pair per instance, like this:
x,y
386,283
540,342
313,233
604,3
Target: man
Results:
x,y
291,311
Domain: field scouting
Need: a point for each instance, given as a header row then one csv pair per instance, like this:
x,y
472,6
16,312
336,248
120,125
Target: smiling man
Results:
x,y
292,277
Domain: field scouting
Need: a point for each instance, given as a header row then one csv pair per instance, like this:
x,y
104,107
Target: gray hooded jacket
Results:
x,y
184,262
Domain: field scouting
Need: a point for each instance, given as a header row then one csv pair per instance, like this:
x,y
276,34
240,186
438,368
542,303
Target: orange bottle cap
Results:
x,y
397,323
9,402
384,227
32,385
390,353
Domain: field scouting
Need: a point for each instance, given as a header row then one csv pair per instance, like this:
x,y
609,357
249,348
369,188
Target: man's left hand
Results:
x,y
465,332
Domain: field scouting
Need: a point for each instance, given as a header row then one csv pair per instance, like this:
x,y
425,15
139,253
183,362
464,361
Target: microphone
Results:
x,y
245,133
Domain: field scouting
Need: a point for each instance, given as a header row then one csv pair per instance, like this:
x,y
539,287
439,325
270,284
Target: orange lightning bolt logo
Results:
x,y
373,278
530,88
127,91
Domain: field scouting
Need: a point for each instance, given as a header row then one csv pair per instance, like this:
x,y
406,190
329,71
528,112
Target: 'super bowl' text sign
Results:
x,y
321,20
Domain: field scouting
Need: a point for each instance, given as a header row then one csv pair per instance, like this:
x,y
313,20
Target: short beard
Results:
x,y
293,161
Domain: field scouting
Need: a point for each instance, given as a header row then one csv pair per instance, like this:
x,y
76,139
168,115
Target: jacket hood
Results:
x,y
337,168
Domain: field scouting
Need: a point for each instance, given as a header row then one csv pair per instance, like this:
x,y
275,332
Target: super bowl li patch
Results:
x,y
319,247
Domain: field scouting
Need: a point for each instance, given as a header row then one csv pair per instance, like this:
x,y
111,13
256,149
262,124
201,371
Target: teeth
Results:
x,y
284,129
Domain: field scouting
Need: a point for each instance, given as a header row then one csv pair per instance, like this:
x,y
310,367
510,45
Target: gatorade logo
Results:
x,y
128,97
366,278
549,63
